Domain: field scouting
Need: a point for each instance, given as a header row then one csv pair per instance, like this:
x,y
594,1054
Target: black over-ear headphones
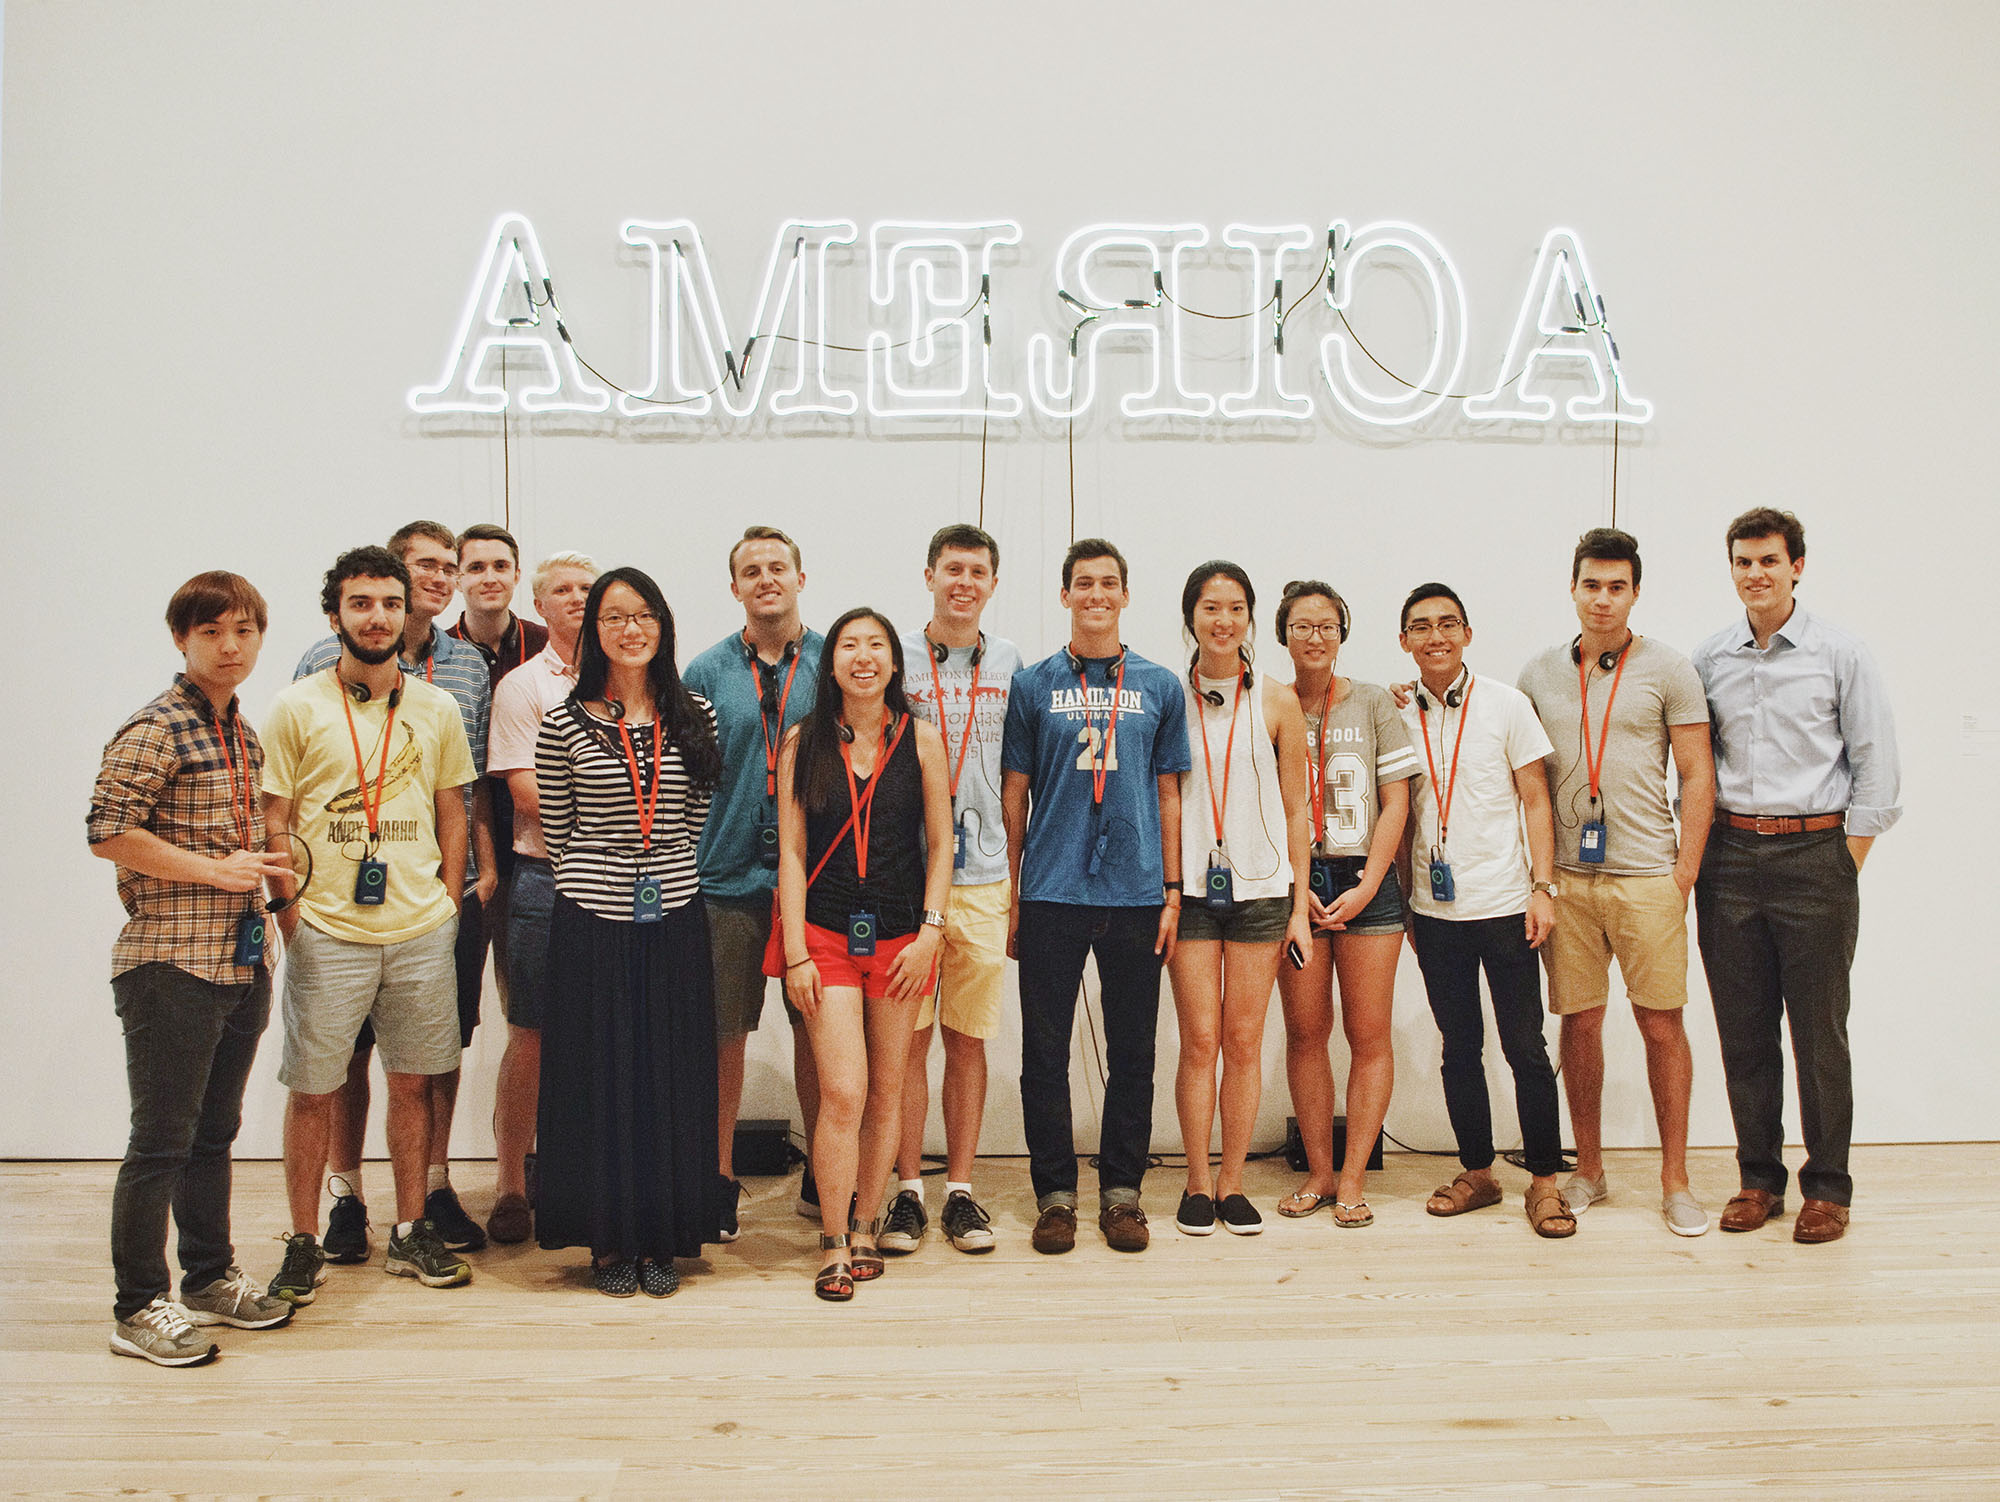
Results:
x,y
1213,695
1606,661
615,708
750,652
362,693
1453,696
941,652
1076,663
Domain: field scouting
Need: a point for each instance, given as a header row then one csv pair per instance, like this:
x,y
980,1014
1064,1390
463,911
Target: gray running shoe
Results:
x,y
300,1274
421,1255
160,1334
966,1224
233,1299
903,1231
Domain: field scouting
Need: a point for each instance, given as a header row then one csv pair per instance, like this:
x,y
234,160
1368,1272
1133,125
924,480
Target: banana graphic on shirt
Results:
x,y
401,769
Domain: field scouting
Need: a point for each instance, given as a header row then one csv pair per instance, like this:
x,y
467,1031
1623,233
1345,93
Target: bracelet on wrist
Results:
x,y
794,964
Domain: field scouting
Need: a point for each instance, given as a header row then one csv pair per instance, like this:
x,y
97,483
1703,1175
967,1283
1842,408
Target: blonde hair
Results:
x,y
561,560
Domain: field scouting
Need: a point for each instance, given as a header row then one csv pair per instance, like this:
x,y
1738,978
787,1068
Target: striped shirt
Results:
x,y
590,816
165,772
454,666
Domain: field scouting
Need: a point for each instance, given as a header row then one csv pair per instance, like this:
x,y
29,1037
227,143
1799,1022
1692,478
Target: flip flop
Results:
x,y
1360,1207
1301,1198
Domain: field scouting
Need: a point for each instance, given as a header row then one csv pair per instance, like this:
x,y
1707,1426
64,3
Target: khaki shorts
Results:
x,y
409,990
1639,920
738,929
972,969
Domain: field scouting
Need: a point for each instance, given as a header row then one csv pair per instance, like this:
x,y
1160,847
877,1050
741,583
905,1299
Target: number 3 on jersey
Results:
x,y
1345,803
1091,738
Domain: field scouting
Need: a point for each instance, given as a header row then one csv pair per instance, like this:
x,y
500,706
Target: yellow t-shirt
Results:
x,y
309,758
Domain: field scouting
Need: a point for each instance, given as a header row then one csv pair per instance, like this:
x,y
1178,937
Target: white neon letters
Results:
x,y
943,275
1145,311
949,319
503,312
1563,305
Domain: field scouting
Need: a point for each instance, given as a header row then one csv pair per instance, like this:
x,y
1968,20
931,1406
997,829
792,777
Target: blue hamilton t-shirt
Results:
x,y
1056,734
728,856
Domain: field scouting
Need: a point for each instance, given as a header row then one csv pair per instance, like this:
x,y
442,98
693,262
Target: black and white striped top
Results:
x,y
591,821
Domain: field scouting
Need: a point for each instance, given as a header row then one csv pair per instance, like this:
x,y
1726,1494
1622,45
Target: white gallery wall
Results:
x,y
232,236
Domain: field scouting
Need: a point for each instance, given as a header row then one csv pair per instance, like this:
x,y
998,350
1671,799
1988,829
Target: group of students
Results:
x,y
882,819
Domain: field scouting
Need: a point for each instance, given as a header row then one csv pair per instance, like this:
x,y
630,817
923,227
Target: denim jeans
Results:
x,y
189,1045
1055,939
1451,956
1778,917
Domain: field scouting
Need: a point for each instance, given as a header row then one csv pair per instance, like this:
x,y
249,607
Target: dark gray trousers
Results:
x,y
1777,917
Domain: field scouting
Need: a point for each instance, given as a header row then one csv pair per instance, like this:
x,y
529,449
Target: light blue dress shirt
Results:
x,y
1802,726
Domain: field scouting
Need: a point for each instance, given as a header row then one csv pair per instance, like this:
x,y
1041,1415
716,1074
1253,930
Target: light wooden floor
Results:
x,y
1414,1358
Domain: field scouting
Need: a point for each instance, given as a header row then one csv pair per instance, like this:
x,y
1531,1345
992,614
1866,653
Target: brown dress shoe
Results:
x,y
511,1220
1124,1227
1748,1209
1055,1229
1819,1220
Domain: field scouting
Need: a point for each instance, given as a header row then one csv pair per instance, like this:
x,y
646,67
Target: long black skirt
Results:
x,y
626,1146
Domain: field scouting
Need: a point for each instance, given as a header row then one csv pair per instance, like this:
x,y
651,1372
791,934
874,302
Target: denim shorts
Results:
x,y
1382,916
1261,920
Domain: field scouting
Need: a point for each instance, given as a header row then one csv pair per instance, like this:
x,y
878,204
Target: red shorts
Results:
x,y
868,972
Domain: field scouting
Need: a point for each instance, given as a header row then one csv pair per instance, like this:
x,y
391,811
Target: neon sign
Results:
x,y
939,334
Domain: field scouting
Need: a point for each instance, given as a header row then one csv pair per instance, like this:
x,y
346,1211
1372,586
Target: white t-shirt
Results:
x,y
1253,819
1486,847
523,699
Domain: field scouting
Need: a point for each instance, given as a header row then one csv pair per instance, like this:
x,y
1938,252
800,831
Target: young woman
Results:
x,y
625,767
1243,858
864,871
1359,767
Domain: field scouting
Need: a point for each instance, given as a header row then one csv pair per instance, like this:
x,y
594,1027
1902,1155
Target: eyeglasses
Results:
x,y
1308,631
432,566
1451,625
617,620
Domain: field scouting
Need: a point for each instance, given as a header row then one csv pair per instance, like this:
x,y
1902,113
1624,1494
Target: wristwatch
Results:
x,y
1546,886
933,917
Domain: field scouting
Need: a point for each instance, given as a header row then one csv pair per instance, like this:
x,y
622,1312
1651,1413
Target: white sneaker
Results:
x,y
160,1333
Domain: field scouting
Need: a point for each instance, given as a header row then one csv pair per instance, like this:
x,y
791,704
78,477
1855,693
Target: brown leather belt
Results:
x,y
1782,823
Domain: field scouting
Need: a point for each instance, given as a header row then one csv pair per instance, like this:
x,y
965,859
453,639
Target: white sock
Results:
x,y
404,1227
439,1178
952,1186
344,1181
915,1186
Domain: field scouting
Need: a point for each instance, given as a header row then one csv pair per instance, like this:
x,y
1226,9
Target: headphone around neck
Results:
x,y
942,653
1076,663
1606,661
1214,696
1453,696
361,693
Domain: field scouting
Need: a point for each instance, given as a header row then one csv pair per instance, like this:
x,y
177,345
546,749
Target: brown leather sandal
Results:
x,y
835,1281
1462,1194
1548,1213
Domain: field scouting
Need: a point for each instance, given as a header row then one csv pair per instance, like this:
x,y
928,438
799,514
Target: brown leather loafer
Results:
x,y
1055,1230
1124,1227
1819,1220
1748,1209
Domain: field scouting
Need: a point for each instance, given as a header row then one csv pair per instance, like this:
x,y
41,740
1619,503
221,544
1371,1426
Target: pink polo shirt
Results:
x,y
519,703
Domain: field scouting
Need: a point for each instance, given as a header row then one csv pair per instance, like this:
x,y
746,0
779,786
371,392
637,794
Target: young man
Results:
x,y
1806,778
1472,906
429,552
489,568
1613,705
561,586
368,767
957,677
175,806
760,682
1095,743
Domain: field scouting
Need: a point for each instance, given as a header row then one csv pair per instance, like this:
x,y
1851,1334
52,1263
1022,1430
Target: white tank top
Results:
x,y
1253,820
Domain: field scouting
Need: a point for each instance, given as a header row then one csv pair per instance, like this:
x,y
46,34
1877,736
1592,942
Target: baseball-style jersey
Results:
x,y
1065,733
1657,688
1484,841
976,803
1362,745
310,759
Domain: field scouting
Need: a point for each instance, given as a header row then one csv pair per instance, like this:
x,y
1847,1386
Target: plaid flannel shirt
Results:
x,y
164,772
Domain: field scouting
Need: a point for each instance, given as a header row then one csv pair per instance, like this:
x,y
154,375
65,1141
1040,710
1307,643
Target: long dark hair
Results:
x,y
817,775
1217,568
686,726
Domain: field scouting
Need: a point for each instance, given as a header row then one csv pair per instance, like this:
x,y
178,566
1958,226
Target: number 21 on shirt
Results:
x,y
1091,738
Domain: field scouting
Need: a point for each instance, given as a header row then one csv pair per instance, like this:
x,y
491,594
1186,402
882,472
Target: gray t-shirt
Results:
x,y
1660,688
977,804
1363,744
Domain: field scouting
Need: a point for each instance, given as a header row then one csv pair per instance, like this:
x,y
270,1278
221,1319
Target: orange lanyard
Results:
x,y
771,740
862,820
240,812
1105,752
648,803
971,713
1444,804
1596,767
1228,754
372,811
1317,766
